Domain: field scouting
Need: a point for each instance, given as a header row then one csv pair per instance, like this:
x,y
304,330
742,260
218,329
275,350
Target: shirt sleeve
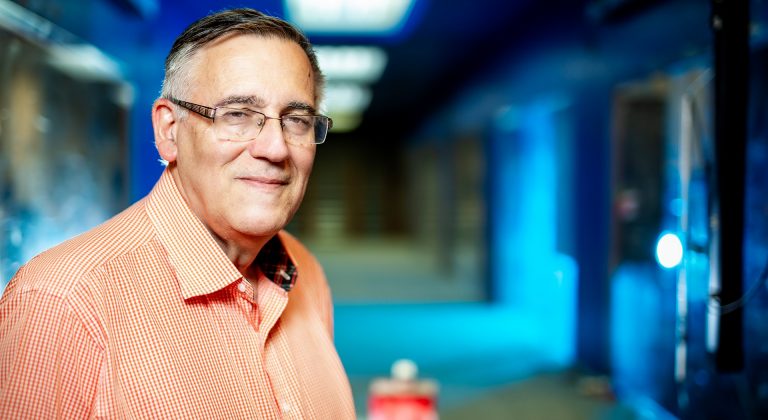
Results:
x,y
49,361
312,271
311,279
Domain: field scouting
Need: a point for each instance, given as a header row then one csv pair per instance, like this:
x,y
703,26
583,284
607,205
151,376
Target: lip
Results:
x,y
263,181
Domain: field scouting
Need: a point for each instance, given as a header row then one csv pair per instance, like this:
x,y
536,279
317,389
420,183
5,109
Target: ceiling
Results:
x,y
446,45
454,43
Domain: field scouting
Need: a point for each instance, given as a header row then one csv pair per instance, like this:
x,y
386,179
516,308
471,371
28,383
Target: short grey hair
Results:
x,y
214,26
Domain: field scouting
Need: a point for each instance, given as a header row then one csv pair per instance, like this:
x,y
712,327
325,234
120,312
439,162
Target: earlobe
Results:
x,y
165,126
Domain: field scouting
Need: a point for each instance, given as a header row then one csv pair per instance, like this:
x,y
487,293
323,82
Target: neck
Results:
x,y
242,254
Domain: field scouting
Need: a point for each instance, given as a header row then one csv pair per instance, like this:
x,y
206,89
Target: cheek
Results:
x,y
301,162
201,149
188,143
304,162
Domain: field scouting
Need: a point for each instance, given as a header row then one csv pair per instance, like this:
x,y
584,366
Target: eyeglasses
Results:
x,y
244,124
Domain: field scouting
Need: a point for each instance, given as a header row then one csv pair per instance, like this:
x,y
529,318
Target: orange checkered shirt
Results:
x,y
146,317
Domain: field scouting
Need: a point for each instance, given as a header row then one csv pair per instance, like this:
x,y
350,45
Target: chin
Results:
x,y
262,226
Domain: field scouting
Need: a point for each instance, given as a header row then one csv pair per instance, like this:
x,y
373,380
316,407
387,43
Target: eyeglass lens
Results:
x,y
243,124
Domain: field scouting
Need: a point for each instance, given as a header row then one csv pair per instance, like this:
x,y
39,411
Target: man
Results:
x,y
193,302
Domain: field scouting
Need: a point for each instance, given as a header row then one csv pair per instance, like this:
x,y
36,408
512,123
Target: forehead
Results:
x,y
243,64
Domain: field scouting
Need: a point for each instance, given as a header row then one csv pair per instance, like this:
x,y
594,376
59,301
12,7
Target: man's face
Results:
x,y
245,190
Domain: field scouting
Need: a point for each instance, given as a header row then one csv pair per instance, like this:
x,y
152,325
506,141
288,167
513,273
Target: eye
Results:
x,y
298,122
236,115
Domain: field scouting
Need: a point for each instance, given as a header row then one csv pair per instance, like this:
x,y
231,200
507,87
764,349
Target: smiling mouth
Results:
x,y
265,181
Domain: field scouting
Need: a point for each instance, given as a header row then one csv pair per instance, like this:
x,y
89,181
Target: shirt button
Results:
x,y
241,287
286,407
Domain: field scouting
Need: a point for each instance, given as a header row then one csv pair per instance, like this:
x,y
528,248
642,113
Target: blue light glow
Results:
x,y
349,17
669,250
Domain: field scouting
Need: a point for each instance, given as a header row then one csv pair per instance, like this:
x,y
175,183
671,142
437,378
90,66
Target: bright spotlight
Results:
x,y
669,250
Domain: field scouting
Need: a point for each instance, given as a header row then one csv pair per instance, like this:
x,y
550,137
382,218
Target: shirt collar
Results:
x,y
204,268
275,263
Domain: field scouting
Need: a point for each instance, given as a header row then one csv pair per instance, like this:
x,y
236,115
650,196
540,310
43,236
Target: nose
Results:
x,y
270,143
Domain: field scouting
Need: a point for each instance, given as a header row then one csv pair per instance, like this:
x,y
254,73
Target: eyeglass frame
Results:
x,y
210,113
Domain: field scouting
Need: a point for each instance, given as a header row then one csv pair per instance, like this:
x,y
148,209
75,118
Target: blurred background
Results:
x,y
557,209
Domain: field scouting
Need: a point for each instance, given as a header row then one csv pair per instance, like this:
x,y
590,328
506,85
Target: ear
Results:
x,y
166,125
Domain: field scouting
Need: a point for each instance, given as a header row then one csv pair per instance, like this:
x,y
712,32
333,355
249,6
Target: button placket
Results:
x,y
249,303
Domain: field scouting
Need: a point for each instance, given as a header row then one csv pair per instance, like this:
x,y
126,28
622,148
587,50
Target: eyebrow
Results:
x,y
300,106
260,103
237,99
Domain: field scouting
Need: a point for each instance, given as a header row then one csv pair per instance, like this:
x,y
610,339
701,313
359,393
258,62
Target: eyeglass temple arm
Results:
x,y
205,111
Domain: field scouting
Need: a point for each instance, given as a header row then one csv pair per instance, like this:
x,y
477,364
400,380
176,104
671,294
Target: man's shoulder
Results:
x,y
298,252
309,268
60,268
